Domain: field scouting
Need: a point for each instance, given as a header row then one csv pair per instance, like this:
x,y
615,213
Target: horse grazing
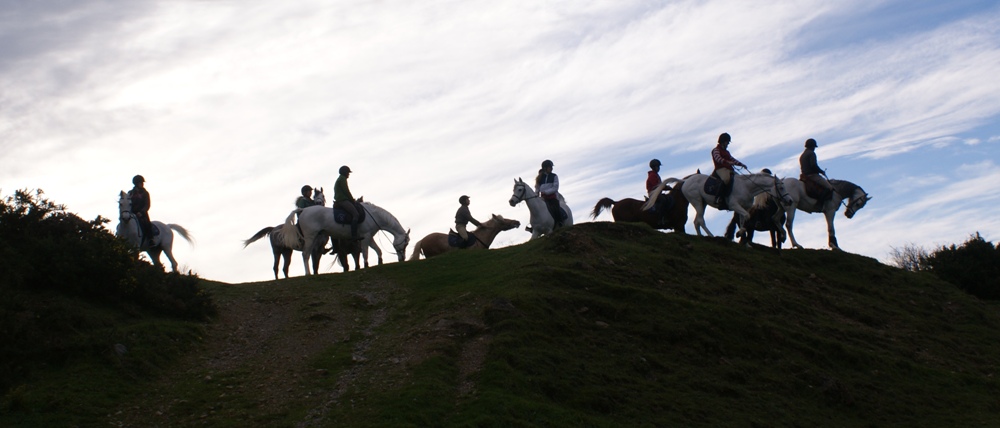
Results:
x,y
856,200
745,187
437,243
630,210
541,221
765,216
313,221
128,228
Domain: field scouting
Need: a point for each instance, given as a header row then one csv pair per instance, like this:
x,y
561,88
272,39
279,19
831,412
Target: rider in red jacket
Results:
x,y
724,168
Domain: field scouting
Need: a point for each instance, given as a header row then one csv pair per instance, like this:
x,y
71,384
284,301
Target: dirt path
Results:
x,y
256,357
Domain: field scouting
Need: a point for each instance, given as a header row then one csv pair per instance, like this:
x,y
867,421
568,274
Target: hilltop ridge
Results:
x,y
602,324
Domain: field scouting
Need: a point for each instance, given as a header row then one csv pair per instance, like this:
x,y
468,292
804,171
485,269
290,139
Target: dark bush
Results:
x,y
54,266
974,267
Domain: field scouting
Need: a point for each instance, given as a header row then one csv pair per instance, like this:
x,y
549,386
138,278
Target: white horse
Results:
x,y
316,220
740,199
856,196
276,235
541,221
128,228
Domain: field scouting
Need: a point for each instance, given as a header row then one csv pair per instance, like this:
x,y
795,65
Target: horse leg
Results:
x,y
170,256
789,218
307,249
287,255
829,228
357,260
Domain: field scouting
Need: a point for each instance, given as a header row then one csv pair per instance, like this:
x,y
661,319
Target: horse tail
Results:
x,y
292,235
603,204
263,232
182,231
417,248
655,193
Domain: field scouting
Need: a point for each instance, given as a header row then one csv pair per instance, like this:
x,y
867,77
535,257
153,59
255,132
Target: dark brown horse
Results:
x,y
765,216
346,247
672,215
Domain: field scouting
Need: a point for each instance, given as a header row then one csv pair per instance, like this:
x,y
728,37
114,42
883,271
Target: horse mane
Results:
x,y
387,213
844,188
760,201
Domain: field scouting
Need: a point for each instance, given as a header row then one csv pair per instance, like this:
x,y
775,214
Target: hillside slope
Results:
x,y
599,325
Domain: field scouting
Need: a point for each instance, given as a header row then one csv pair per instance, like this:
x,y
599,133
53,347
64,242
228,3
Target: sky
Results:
x,y
228,107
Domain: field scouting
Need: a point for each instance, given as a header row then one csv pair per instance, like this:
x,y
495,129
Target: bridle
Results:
x,y
381,229
519,193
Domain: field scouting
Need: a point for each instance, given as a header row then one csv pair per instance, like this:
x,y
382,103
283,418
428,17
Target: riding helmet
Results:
x,y
463,200
724,138
654,163
810,143
306,189
547,163
138,179
344,170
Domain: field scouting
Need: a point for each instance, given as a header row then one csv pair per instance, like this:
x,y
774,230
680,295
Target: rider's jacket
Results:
x,y
548,188
652,180
303,202
139,198
722,158
808,162
464,216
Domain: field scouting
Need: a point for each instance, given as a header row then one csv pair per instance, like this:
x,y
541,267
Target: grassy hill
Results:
x,y
599,325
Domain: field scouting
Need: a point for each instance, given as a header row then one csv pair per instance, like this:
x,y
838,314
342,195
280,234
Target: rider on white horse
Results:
x,y
724,163
547,187
306,199
139,199
812,173
343,199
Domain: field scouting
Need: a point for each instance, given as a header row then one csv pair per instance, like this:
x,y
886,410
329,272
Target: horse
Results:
x,y
630,210
278,247
315,220
541,221
765,216
347,247
745,187
437,243
128,228
856,200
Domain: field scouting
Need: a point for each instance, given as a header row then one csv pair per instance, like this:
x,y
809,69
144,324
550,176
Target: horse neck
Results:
x,y
487,232
383,219
754,187
845,189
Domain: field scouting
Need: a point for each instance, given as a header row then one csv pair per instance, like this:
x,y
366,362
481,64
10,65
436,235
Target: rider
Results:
x,y
811,172
547,187
139,199
343,199
653,176
724,163
462,219
305,200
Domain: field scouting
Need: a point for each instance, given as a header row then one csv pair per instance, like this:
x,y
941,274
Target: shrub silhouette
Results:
x,y
974,267
55,265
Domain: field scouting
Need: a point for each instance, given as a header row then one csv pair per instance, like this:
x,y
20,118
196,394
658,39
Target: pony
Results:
x,y
856,200
541,221
128,228
765,216
316,220
275,235
745,187
630,210
346,247
437,243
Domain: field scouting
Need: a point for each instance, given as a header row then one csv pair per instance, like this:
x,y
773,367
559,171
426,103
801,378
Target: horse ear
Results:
x,y
869,197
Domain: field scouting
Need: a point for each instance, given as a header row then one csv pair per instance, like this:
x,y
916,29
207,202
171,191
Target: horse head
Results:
x,y
318,197
781,193
399,243
857,202
505,224
522,192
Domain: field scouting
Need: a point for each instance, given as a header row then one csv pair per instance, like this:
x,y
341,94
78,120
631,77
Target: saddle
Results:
x,y
456,241
343,217
813,189
713,185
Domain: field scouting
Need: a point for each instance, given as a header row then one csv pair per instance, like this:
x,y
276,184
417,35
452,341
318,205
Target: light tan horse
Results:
x,y
437,243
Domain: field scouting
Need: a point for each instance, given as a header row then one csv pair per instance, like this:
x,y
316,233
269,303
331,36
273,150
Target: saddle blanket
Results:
x,y
343,217
456,241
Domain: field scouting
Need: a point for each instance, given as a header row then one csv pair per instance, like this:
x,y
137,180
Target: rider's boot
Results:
x,y
354,231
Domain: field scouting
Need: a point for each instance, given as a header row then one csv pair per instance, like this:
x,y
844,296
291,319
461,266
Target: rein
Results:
x,y
380,228
522,192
